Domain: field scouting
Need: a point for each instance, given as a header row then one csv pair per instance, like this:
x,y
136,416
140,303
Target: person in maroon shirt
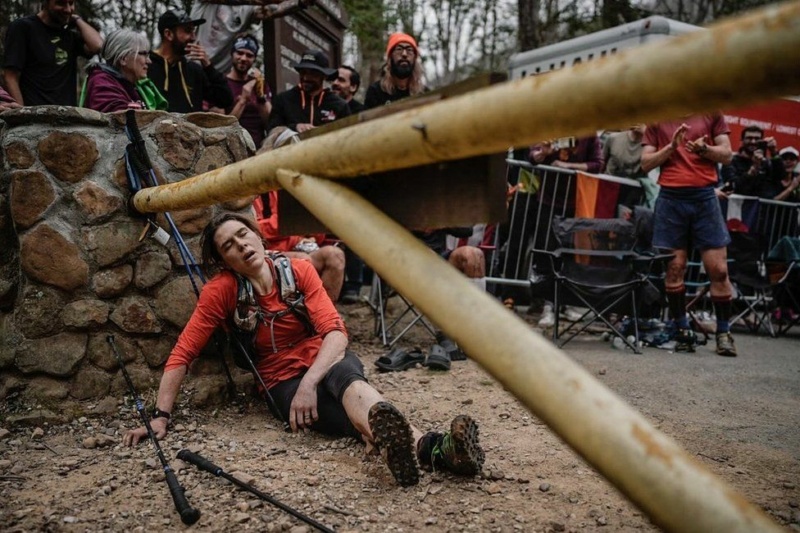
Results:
x,y
251,96
315,381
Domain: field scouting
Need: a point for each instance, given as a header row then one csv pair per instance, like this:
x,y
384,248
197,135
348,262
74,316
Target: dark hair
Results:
x,y
752,128
355,77
209,255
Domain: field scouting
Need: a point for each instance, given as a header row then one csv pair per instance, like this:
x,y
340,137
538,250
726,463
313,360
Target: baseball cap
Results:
x,y
790,151
171,19
315,60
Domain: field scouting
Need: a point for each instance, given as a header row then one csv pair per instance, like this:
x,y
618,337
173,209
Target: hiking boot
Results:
x,y
456,451
392,435
685,340
725,346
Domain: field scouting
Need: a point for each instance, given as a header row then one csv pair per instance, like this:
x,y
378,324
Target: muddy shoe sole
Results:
x,y
394,439
466,457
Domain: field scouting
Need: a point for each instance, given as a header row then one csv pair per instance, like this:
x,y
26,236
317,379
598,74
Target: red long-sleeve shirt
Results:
x,y
296,349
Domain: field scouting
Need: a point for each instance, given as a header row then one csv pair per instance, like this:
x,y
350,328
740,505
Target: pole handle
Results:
x,y
189,515
199,461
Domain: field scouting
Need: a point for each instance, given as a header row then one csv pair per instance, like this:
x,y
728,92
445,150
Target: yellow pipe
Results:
x,y
678,493
737,62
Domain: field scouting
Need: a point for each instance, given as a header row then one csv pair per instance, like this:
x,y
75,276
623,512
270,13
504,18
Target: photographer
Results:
x,y
752,172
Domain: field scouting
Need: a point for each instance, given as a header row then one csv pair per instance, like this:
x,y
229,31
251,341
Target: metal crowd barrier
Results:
x,y
544,192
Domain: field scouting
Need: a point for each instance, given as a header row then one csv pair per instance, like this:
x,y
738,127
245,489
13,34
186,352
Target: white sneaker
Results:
x,y
570,313
548,318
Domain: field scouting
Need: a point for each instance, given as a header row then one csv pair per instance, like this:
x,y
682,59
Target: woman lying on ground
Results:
x,y
315,382
121,81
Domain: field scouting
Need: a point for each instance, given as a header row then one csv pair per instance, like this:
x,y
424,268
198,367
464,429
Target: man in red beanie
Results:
x,y
402,74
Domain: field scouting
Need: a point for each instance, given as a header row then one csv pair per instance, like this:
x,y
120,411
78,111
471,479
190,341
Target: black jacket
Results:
x,y
294,107
189,84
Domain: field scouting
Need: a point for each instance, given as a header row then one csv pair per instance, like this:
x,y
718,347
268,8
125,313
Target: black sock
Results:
x,y
722,308
425,448
676,302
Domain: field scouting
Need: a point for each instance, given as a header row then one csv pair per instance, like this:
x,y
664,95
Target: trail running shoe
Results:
x,y
725,346
394,439
457,450
685,340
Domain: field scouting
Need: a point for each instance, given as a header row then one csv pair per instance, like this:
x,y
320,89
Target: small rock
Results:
x,y
793,504
4,434
601,521
89,443
544,487
494,488
240,518
244,477
468,401
300,529
558,526
37,434
69,519
788,485
243,506
312,481
602,371
496,475
431,520
150,463
5,464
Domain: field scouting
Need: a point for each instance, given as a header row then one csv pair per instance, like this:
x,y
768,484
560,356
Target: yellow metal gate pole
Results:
x,y
737,62
677,492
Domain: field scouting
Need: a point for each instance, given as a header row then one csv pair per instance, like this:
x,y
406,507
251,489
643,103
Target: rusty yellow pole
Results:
x,y
723,67
678,493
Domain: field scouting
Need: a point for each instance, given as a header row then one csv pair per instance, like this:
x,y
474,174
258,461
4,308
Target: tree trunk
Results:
x,y
528,36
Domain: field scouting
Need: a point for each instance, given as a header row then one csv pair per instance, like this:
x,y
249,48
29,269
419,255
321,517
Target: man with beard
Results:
x,y
250,92
752,172
181,69
346,85
404,77
42,51
308,104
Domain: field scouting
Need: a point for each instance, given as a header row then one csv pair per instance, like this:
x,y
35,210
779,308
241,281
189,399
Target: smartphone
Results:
x,y
762,145
564,143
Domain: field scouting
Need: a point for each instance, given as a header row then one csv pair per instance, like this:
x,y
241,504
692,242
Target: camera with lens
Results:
x,y
564,143
761,145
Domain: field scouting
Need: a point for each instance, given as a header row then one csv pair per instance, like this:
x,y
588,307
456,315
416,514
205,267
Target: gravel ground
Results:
x,y
739,417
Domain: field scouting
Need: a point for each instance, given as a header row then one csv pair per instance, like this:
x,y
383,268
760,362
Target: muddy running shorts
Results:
x,y
679,221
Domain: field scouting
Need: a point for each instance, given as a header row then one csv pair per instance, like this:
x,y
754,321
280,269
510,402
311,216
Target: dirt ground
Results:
x,y
739,417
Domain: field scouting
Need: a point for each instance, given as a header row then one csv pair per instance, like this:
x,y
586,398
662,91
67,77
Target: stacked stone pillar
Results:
x,y
72,266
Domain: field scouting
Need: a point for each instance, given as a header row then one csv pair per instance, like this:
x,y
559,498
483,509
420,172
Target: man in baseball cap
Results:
x,y
181,68
402,76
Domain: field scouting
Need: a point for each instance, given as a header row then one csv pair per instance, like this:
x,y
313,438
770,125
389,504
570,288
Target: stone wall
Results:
x,y
72,266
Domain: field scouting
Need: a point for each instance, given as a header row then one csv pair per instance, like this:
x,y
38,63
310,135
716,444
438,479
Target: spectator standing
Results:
x,y
223,24
181,69
688,212
752,172
622,154
346,85
112,85
41,63
250,92
402,76
308,104
790,181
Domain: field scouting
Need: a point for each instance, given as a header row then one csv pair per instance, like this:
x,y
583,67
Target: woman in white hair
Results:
x,y
120,82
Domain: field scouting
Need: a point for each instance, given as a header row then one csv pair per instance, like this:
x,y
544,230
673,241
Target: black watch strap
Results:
x,y
158,413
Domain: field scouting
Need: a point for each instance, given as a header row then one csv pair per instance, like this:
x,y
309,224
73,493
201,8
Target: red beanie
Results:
x,y
397,38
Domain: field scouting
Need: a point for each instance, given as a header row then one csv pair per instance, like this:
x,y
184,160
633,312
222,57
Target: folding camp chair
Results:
x,y
391,330
596,267
756,281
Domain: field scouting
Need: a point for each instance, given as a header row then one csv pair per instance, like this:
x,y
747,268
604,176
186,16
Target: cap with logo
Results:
x,y
171,19
315,60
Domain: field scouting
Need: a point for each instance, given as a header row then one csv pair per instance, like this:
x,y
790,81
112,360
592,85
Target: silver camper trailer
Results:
x,y
595,45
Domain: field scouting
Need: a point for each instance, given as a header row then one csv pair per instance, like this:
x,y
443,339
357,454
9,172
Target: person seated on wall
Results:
x,y
328,261
315,381
120,82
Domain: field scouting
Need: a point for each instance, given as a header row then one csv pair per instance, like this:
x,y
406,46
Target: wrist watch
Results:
x,y
158,413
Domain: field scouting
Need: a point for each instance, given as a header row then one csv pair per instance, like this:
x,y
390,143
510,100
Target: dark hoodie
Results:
x,y
107,90
294,107
186,84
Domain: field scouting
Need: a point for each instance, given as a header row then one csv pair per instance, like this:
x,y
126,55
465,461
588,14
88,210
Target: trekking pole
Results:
x,y
204,464
189,515
271,405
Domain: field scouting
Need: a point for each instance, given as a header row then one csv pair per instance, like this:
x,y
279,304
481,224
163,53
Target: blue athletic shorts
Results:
x,y
691,216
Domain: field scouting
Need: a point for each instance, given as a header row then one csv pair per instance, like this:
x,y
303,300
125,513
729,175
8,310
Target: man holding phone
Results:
x,y
752,172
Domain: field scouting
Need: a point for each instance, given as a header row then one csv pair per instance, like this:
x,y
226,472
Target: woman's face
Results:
x,y
240,247
134,66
